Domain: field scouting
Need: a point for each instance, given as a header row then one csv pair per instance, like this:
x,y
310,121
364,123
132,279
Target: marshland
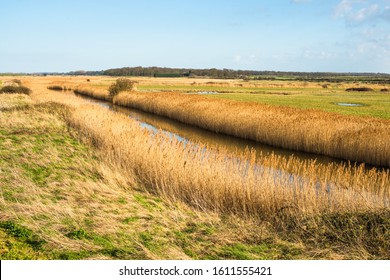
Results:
x,y
253,169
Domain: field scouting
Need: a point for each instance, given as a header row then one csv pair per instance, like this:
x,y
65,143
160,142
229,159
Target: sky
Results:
x,y
277,35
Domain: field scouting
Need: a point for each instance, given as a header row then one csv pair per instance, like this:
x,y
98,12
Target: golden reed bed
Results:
x,y
94,92
346,137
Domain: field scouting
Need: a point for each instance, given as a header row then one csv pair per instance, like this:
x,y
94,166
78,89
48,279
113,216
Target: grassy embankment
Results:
x,y
60,199
353,215
339,136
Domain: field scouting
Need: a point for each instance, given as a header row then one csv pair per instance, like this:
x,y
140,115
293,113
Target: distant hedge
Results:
x,y
15,89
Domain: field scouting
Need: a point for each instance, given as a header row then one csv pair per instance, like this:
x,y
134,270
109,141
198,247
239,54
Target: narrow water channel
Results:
x,y
185,132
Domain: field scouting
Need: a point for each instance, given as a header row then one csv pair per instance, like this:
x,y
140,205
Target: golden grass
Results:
x,y
15,99
340,136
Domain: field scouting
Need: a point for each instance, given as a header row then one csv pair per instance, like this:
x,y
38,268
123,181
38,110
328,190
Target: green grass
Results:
x,y
14,248
264,250
22,233
255,247
377,104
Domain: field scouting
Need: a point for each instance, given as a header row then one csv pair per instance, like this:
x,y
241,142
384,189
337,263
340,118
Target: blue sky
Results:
x,y
281,35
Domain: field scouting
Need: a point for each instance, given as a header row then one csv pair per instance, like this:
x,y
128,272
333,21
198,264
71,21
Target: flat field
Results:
x,y
373,104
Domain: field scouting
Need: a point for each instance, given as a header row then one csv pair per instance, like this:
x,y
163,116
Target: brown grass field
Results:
x,y
327,203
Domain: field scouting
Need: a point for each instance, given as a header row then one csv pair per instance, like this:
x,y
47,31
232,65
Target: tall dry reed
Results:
x,y
217,181
94,92
346,137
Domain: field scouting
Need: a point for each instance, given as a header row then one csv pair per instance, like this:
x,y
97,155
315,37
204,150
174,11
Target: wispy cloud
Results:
x,y
359,11
368,27
386,13
366,13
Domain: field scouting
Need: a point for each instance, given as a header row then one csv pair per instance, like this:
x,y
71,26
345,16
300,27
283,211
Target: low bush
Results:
x,y
15,89
55,88
121,85
360,89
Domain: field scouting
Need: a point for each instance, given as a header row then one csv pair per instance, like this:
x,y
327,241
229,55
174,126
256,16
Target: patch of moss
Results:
x,y
22,234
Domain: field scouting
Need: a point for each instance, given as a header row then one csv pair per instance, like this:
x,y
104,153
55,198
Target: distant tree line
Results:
x,y
322,77
240,74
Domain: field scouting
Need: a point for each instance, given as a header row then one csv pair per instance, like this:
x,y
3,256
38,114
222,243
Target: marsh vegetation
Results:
x,y
317,211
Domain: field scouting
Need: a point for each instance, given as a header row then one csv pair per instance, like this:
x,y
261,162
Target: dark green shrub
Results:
x,y
120,85
56,88
15,89
359,89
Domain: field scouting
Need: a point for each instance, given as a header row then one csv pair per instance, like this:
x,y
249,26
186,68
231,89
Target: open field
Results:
x,y
375,104
322,211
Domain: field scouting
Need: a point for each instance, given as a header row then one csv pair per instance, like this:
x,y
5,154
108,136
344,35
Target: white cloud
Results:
x,y
343,8
359,11
365,13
